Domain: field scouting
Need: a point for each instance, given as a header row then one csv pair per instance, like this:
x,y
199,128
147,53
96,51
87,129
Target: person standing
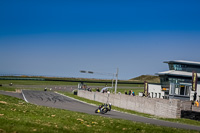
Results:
x,y
129,93
125,92
196,103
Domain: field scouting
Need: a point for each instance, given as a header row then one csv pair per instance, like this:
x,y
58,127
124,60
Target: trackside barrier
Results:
x,y
158,107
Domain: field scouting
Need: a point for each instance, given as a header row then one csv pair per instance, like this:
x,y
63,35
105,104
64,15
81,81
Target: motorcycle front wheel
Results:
x,y
97,111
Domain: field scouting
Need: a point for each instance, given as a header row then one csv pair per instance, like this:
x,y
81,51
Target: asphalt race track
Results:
x,y
55,100
13,94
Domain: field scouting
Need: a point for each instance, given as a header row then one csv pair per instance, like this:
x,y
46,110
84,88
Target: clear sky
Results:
x,y
62,37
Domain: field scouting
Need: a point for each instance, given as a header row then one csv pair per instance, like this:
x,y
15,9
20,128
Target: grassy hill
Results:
x,y
148,78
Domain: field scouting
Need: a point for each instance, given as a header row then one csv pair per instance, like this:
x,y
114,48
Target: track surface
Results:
x,y
13,94
51,99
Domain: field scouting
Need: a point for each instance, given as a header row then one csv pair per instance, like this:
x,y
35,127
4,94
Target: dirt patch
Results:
x,y
3,102
18,91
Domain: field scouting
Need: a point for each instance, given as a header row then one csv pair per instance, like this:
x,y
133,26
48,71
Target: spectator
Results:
x,y
196,103
129,92
98,89
89,89
125,92
133,93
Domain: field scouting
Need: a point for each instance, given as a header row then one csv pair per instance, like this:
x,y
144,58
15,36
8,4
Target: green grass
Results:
x,y
35,82
3,88
18,116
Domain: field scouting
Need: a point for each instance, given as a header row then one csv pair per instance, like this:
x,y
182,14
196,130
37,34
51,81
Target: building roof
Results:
x,y
183,62
177,73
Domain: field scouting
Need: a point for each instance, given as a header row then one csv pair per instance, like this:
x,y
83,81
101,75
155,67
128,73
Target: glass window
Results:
x,y
177,67
182,90
171,67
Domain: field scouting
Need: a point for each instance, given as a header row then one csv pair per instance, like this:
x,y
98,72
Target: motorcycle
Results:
x,y
104,108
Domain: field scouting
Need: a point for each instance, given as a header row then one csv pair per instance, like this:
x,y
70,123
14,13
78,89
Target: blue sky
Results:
x,y
60,38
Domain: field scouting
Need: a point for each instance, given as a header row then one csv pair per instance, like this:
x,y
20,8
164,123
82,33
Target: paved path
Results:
x,y
55,100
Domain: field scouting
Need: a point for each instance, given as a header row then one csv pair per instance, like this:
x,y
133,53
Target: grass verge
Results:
x,y
3,88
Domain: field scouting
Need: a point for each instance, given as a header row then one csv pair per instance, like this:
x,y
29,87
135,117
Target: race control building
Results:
x,y
177,82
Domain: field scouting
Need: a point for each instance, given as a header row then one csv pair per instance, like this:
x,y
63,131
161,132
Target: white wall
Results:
x,y
198,92
156,91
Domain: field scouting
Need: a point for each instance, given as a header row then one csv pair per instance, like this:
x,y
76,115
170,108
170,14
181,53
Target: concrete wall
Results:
x,y
158,107
186,105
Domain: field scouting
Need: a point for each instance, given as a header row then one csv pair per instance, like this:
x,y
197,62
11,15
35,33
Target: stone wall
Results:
x,y
158,107
186,105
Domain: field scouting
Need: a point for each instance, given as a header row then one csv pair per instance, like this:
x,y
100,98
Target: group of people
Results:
x,y
130,92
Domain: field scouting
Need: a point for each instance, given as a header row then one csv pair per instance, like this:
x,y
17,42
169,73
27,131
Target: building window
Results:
x,y
182,89
177,67
171,67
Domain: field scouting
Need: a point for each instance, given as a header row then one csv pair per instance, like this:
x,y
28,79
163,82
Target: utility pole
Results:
x,y
116,81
